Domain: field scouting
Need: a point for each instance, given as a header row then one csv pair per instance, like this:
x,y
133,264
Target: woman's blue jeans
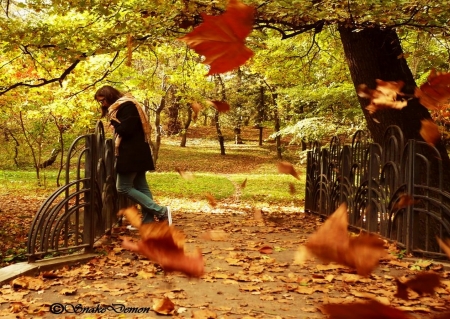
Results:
x,y
135,186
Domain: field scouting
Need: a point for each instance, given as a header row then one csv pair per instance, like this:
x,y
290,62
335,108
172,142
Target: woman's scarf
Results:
x,y
112,112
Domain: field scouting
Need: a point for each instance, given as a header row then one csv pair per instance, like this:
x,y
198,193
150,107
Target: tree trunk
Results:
x,y
261,114
237,135
186,127
219,133
375,53
276,118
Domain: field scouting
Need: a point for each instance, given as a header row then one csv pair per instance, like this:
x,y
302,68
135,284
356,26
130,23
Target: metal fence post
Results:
x,y
409,179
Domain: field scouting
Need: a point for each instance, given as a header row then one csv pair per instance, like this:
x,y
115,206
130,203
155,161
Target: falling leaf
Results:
x,y
221,39
257,214
445,246
163,306
287,168
211,200
404,200
185,174
266,250
430,131
367,310
165,245
196,108
385,95
220,106
215,235
422,283
244,183
132,215
292,190
436,91
302,255
331,242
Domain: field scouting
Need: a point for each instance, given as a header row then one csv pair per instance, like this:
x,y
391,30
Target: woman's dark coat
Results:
x,y
134,153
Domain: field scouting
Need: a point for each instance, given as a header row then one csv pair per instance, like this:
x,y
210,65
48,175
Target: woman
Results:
x,y
132,150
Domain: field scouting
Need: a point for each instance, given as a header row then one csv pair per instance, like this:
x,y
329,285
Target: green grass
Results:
x,y
219,175
170,184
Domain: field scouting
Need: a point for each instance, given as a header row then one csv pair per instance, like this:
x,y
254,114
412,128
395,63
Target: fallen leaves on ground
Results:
x,y
163,306
221,39
367,310
422,283
331,242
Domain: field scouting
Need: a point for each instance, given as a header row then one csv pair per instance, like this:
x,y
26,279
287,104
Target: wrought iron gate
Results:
x,y
84,209
387,188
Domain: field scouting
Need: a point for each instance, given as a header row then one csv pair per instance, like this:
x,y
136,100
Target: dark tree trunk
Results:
x,y
276,118
375,53
237,135
186,127
261,114
219,133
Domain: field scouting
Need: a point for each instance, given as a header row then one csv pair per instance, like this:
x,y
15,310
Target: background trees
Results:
x,y
309,55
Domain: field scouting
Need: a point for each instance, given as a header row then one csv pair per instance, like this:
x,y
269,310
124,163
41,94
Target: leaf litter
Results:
x,y
237,276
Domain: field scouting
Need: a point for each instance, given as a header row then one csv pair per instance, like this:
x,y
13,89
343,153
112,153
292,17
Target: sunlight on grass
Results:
x,y
173,185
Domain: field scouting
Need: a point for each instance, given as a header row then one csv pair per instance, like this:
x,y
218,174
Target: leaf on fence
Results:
x,y
165,245
386,95
331,242
221,39
367,310
422,283
430,132
436,91
287,168
445,245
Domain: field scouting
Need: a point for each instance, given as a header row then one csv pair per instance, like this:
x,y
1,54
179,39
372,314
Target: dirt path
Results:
x,y
240,281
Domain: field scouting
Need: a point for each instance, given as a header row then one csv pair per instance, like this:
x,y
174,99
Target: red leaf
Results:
x,y
423,283
266,250
165,245
435,91
367,310
220,106
221,39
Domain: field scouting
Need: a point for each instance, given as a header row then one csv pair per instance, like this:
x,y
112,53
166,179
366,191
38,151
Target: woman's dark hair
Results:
x,y
110,94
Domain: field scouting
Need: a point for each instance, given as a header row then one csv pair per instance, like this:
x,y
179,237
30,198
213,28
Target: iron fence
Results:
x,y
394,189
82,210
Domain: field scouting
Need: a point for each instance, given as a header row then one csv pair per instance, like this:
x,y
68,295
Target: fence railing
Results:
x,y
394,189
85,208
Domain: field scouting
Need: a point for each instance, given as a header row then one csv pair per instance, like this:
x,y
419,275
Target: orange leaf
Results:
x,y
332,243
386,95
430,132
165,245
435,91
422,283
367,310
220,106
445,246
163,306
215,235
211,200
287,168
196,107
404,200
132,215
292,190
244,183
221,39
257,214
185,174
266,250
